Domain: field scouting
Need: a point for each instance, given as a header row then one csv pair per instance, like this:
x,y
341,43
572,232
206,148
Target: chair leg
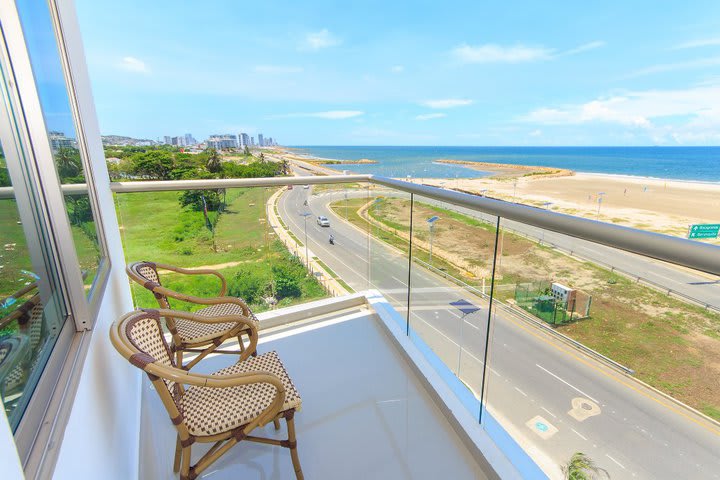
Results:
x,y
178,455
185,468
276,422
179,358
293,445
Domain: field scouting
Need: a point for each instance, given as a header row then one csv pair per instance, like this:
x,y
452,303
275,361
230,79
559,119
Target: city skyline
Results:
x,y
505,74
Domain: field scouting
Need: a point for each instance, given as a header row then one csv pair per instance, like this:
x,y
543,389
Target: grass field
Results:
x,y
671,345
154,227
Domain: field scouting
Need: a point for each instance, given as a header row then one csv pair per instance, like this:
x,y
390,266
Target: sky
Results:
x,y
409,73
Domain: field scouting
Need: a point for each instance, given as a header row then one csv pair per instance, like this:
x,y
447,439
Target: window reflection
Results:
x,y
52,90
31,311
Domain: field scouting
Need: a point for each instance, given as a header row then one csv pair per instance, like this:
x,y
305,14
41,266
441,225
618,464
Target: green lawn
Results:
x,y
154,227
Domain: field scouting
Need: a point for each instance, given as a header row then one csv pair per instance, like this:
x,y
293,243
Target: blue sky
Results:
x,y
409,73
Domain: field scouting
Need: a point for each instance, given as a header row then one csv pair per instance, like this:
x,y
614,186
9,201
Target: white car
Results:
x,y
306,187
323,221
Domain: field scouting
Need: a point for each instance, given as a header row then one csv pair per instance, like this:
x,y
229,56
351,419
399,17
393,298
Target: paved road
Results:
x,y
635,435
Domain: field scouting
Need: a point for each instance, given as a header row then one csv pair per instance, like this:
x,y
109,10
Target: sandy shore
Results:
x,y
666,206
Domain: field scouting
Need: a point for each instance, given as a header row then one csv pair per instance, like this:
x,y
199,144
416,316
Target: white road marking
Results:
x,y
525,394
566,383
549,412
619,464
578,433
398,280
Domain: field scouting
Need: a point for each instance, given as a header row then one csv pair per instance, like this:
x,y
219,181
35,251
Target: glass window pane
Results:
x,y
32,311
52,90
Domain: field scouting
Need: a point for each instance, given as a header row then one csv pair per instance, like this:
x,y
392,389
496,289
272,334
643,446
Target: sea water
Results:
x,y
682,163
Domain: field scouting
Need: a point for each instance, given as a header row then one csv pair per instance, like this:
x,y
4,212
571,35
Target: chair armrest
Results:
x,y
159,289
197,271
243,321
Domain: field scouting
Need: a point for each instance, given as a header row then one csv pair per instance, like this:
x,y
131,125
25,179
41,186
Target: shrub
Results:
x,y
248,285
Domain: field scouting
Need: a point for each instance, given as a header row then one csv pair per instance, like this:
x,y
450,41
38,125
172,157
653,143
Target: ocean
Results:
x,y
681,163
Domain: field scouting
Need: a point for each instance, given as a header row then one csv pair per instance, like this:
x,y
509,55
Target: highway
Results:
x,y
551,399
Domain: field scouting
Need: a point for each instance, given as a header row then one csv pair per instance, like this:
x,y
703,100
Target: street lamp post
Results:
x,y
307,258
514,190
600,197
431,224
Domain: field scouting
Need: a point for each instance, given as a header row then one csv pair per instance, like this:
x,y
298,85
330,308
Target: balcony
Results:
x,y
370,408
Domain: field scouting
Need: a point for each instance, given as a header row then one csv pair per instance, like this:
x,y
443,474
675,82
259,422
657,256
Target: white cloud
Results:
x,y
330,115
132,64
585,47
277,69
446,103
669,67
536,133
321,39
491,53
397,69
666,116
706,42
430,116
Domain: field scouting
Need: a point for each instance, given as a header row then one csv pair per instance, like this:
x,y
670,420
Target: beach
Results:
x,y
654,204
664,206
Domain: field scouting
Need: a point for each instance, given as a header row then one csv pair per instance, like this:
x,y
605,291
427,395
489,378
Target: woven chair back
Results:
x,y
145,333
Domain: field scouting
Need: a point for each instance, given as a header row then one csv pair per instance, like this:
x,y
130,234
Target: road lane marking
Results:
x,y
578,433
398,280
523,393
566,383
549,412
619,464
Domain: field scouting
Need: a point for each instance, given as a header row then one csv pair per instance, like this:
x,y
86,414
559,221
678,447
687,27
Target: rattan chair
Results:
x,y
191,336
222,408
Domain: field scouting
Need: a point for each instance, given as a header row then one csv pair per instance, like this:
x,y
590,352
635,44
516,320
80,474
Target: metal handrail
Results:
x,y
696,255
680,251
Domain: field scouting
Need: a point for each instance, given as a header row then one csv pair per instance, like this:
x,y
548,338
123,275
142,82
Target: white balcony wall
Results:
x,y
102,435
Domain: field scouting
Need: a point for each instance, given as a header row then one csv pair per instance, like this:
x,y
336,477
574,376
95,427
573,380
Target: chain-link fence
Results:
x,y
537,298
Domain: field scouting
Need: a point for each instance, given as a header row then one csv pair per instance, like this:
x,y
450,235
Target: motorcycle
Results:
x,y
332,240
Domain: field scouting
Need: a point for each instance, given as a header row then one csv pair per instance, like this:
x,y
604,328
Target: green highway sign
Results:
x,y
704,230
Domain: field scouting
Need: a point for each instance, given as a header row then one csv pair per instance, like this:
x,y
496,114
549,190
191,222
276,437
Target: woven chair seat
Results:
x,y
191,331
209,411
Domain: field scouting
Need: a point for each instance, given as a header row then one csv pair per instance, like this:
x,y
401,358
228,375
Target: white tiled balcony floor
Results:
x,y
365,415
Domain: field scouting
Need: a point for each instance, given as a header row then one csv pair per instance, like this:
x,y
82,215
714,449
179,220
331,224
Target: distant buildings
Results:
x,y
180,140
222,142
244,140
261,141
58,140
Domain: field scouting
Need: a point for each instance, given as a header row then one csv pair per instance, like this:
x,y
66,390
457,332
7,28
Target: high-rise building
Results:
x,y
252,141
58,140
167,140
261,141
189,140
221,142
244,140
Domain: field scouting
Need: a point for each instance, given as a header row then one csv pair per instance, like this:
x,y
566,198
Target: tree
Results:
x,y
214,163
69,165
246,151
581,467
156,164
284,167
194,199
262,157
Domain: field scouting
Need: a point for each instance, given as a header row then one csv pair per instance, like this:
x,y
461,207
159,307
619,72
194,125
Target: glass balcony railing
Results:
x,y
557,345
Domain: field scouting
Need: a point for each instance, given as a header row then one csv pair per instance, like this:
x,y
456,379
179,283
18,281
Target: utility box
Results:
x,y
562,294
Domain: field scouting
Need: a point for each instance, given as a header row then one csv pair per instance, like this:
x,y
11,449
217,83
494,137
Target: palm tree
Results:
x,y
214,164
68,163
581,467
